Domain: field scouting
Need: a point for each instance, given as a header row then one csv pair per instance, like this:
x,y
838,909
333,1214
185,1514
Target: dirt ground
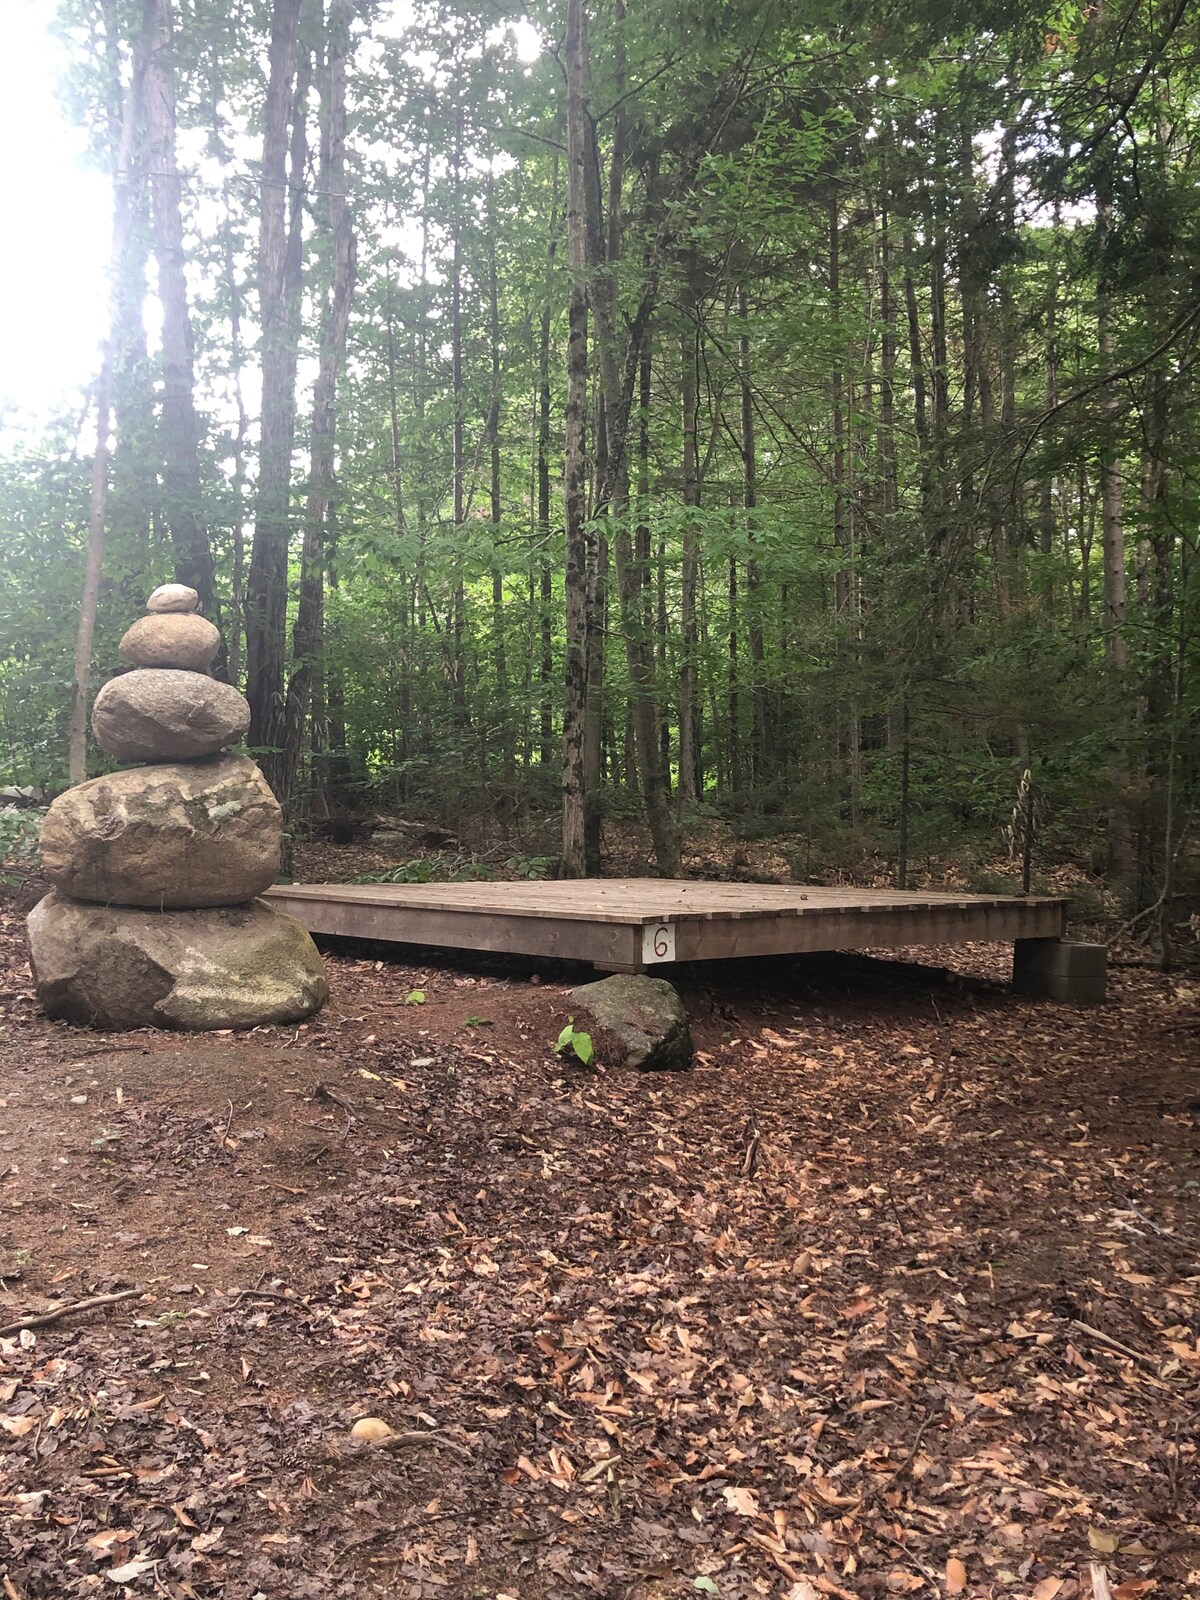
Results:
x,y
896,1292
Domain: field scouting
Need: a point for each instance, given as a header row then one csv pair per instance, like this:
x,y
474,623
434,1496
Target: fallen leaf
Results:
x,y
103,1541
131,1571
956,1576
1106,1543
899,1582
742,1501
373,1429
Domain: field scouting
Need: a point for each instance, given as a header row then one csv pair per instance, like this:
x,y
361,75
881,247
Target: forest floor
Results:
x,y
896,1292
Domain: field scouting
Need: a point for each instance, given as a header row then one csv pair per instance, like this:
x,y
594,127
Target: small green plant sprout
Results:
x,y
478,1022
415,997
579,1043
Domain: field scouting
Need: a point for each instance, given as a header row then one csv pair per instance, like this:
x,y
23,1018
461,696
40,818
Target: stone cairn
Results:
x,y
153,920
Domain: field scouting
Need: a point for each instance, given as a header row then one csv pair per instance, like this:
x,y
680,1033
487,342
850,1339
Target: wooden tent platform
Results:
x,y
629,924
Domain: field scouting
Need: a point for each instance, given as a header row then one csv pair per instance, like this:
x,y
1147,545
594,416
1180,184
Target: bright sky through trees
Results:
x,y
52,268
53,286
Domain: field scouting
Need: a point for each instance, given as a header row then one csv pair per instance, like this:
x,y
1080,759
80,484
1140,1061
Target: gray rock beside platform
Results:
x,y
646,1017
119,967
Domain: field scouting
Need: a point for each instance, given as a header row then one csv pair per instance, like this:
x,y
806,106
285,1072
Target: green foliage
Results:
x,y
904,306
532,866
578,1043
430,869
19,832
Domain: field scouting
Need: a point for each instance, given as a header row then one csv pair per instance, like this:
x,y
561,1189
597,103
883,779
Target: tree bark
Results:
x,y
336,242
180,427
1121,853
503,725
573,863
689,710
278,297
98,511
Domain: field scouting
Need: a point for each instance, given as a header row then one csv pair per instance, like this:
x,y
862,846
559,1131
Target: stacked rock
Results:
x,y
153,920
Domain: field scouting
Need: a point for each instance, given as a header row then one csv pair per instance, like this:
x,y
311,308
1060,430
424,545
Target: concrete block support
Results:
x,y
1057,969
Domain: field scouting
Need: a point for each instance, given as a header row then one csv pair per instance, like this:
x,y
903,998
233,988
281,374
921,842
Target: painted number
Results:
x,y
658,942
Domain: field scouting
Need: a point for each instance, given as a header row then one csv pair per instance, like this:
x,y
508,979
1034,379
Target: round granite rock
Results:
x,y
200,833
119,968
173,597
172,639
161,714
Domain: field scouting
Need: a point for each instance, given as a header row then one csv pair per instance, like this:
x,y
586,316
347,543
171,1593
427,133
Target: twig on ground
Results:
x,y
753,1140
264,1294
324,1092
43,1319
907,1464
1113,1344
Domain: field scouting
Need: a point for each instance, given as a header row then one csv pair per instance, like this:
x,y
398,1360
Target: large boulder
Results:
x,y
171,639
117,967
202,833
645,1017
168,715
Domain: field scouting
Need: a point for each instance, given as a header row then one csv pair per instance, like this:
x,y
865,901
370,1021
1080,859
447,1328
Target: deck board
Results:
x,y
622,924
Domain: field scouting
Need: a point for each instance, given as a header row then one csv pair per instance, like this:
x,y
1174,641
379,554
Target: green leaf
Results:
x,y
565,1036
706,1584
582,1046
415,997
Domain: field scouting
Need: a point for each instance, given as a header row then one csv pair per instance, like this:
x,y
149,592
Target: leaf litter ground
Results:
x,y
894,1293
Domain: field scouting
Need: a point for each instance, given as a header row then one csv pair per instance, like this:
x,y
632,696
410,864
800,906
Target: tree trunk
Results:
x,y
760,758
98,512
502,728
573,863
546,573
278,297
458,685
237,487
689,710
133,476
335,240
1121,854
180,426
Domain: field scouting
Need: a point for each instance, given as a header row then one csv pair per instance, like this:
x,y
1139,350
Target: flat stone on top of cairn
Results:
x,y
173,597
153,920
172,639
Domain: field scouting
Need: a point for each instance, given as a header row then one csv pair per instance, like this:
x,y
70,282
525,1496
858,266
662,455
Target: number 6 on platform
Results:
x,y
658,942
